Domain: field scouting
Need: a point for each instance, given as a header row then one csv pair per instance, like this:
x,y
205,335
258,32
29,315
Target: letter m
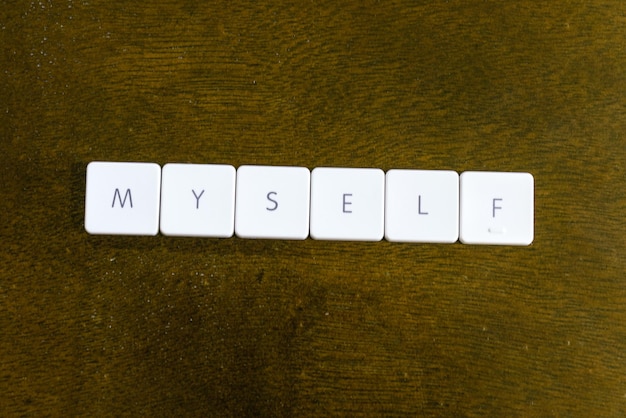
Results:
x,y
118,196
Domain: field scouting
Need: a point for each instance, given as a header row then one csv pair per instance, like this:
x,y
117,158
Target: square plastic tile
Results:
x,y
497,208
122,198
422,206
272,202
347,203
198,200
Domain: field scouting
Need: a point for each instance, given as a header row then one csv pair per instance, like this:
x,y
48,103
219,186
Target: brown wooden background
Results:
x,y
163,326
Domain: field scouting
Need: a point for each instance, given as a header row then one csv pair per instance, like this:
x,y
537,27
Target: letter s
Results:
x,y
273,201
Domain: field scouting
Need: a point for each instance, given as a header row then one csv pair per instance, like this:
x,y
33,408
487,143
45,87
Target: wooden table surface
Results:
x,y
162,326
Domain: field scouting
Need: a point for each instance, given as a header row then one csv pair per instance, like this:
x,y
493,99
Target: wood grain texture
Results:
x,y
128,326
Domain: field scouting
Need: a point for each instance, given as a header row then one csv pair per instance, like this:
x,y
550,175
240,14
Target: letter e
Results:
x,y
346,203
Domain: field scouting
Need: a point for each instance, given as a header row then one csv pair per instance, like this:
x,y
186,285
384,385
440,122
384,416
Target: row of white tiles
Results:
x,y
356,204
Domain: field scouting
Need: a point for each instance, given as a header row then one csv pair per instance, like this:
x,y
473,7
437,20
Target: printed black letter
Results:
x,y
119,197
345,203
419,205
197,197
493,215
273,201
